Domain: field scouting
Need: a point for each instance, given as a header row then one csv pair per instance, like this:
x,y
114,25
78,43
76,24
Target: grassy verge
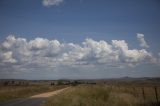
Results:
x,y
97,95
14,92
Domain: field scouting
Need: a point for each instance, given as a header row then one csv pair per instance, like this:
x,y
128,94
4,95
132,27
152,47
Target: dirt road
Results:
x,y
36,100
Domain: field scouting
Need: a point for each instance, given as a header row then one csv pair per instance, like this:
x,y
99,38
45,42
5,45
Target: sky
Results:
x,y
79,39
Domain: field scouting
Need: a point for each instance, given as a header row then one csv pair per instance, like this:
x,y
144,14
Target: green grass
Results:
x,y
14,92
98,95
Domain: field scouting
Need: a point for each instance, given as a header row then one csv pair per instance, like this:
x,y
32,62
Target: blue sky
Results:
x,y
73,21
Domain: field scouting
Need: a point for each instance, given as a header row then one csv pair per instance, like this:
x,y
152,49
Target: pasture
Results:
x,y
108,95
23,91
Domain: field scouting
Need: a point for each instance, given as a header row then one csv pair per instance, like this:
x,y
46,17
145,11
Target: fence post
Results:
x,y
143,94
155,89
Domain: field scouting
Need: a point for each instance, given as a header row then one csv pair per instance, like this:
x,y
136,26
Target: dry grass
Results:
x,y
14,92
99,95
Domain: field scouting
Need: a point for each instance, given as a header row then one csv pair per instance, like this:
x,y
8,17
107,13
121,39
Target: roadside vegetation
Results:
x,y
86,92
15,92
105,95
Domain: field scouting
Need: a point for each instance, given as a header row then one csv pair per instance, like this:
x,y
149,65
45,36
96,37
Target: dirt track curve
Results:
x,y
36,100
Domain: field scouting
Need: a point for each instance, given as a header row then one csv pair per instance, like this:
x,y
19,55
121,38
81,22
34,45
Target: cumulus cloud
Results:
x,y
6,57
142,41
130,56
50,54
49,3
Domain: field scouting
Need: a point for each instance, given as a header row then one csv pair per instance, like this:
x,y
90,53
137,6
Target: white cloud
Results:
x,y
6,57
9,41
142,41
49,3
38,43
41,52
130,56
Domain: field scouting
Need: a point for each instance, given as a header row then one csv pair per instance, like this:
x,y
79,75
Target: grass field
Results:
x,y
14,92
104,95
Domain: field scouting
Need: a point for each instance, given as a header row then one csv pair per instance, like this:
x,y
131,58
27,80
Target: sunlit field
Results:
x,y
106,95
14,92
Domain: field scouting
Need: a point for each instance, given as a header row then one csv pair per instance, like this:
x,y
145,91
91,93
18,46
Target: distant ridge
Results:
x,y
126,78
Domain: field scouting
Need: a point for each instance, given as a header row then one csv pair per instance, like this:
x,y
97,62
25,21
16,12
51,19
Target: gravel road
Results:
x,y
36,100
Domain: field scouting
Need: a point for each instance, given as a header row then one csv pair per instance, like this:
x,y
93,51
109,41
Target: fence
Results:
x,y
148,94
151,93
